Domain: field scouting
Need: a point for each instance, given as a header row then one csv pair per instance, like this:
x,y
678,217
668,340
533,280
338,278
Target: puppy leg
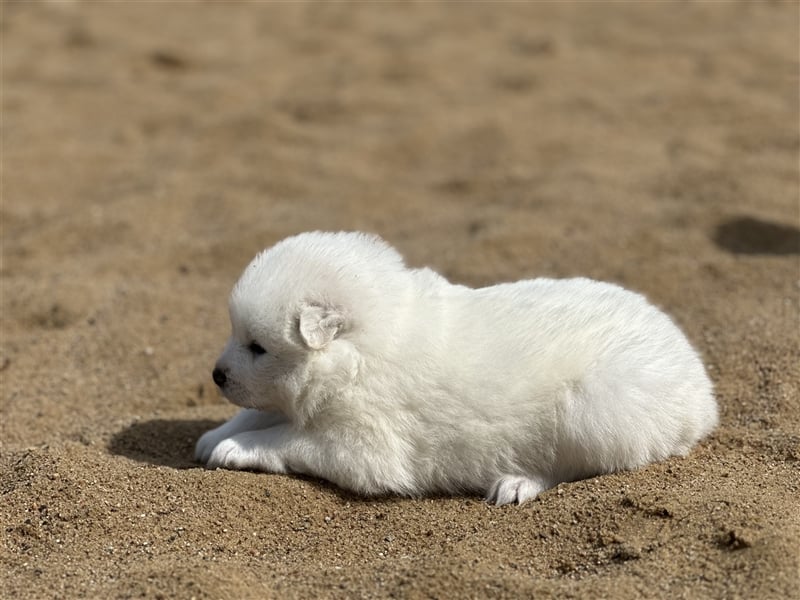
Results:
x,y
282,449
515,488
246,420
277,449
261,450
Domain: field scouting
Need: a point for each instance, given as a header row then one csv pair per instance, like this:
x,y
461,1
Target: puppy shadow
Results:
x,y
169,443
387,499
747,235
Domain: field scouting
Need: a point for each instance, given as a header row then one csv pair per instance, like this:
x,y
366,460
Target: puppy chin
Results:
x,y
238,396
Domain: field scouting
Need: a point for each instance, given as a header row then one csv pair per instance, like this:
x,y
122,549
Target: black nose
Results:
x,y
219,377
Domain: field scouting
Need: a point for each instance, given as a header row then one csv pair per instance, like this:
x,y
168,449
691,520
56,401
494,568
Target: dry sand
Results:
x,y
150,149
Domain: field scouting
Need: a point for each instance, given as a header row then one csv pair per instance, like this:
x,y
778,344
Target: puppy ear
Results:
x,y
319,325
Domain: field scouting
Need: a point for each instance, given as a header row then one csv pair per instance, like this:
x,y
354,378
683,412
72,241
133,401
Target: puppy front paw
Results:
x,y
227,454
245,451
206,444
246,420
514,488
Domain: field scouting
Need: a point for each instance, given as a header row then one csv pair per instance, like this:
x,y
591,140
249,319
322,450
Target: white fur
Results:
x,y
385,379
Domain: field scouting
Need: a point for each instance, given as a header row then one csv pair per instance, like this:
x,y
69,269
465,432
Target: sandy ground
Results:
x,y
150,149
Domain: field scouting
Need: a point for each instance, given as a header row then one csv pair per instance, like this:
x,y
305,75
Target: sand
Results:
x,y
150,149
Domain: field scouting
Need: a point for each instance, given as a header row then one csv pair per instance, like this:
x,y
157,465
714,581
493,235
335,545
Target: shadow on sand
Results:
x,y
161,441
746,235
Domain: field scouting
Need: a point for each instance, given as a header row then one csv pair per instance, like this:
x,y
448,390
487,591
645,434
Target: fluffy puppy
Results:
x,y
384,379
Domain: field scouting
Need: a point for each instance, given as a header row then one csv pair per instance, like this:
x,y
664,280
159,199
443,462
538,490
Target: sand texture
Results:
x,y
150,149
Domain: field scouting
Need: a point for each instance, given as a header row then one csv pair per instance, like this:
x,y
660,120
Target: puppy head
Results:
x,y
278,357
297,313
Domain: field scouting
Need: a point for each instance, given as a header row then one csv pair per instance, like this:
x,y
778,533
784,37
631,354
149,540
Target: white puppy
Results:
x,y
384,379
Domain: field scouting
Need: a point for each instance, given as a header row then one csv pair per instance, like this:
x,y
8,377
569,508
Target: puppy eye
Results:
x,y
256,348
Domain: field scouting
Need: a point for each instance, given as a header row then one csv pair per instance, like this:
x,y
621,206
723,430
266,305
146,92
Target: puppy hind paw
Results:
x,y
514,488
